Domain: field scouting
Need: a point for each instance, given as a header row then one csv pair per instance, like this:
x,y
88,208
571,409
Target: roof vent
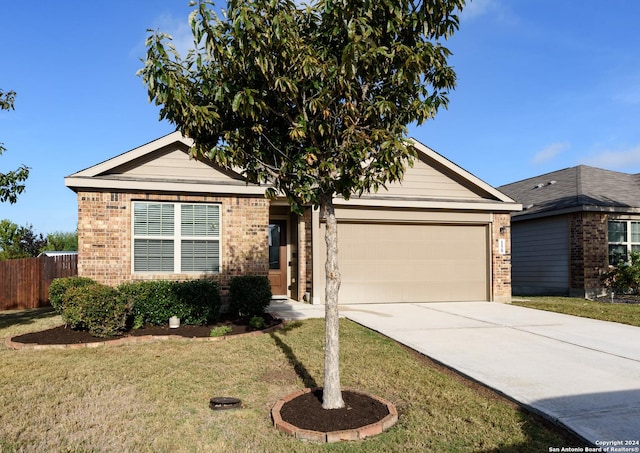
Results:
x,y
552,182
537,186
529,206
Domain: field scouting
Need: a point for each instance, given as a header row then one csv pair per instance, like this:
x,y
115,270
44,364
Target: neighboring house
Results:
x,y
154,213
575,223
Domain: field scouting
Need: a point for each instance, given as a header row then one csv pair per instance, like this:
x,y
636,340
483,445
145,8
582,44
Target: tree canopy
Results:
x,y
11,182
19,242
311,100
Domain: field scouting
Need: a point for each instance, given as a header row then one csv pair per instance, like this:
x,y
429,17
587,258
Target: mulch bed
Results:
x,y
64,335
306,412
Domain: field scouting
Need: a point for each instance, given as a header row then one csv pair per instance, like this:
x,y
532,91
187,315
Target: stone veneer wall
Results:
x,y
104,236
501,263
588,253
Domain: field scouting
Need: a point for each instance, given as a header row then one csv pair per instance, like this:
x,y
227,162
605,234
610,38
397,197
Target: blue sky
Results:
x,y
542,85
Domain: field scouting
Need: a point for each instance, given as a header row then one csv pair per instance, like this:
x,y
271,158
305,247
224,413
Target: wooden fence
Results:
x,y
24,283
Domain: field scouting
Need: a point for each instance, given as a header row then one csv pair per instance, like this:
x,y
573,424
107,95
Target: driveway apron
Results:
x,y
581,373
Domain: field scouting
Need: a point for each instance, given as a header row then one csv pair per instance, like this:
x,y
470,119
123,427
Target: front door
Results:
x,y
278,257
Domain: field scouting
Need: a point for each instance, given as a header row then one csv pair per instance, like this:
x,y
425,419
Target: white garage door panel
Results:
x,y
412,263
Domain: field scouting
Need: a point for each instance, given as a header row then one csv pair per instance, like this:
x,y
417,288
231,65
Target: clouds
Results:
x,y
616,160
175,26
549,152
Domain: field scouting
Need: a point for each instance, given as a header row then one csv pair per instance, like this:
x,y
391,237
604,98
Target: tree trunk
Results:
x,y
332,393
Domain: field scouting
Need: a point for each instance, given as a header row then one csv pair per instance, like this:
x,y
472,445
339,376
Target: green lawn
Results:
x,y
154,397
622,313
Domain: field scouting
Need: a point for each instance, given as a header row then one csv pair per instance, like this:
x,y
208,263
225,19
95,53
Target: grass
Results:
x,y
154,397
622,313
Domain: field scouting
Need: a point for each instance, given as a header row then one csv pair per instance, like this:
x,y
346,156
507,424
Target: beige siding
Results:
x,y
423,179
412,262
170,164
540,256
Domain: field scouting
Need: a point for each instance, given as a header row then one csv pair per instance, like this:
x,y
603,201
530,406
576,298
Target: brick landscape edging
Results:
x,y
132,340
333,436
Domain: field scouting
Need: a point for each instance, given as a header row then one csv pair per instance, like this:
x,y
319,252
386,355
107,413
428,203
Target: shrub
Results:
x,y
625,278
257,322
96,308
154,302
220,331
202,301
250,295
59,287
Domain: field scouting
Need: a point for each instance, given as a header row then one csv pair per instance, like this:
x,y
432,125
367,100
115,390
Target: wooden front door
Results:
x,y
278,257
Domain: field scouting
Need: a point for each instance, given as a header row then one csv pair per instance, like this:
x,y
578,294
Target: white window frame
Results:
x,y
177,238
628,243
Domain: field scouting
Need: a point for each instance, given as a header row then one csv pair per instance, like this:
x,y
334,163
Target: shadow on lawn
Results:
x,y
24,317
298,366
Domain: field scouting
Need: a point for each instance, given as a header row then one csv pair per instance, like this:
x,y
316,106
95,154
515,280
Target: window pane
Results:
x,y
153,219
635,231
200,256
617,253
200,220
617,231
274,246
152,255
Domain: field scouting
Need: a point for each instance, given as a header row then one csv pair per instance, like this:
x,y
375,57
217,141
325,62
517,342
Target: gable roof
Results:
x,y
164,165
161,165
580,188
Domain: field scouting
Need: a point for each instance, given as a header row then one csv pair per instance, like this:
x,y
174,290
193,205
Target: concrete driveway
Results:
x,y
581,373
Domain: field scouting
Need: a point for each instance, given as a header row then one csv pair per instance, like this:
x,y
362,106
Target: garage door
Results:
x,y
412,263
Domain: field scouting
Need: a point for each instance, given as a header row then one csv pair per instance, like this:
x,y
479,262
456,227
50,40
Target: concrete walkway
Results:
x,y
581,373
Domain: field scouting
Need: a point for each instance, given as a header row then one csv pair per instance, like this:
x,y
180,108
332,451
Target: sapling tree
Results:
x,y
11,183
311,100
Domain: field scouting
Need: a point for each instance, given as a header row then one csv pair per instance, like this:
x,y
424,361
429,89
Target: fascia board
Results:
x,y
431,204
78,183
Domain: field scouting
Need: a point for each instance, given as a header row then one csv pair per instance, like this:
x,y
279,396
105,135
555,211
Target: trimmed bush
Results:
x,y
59,287
202,301
250,295
154,302
96,308
624,278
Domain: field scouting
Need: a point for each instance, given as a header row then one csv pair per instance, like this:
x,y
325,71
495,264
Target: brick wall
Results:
x,y
501,262
104,236
588,253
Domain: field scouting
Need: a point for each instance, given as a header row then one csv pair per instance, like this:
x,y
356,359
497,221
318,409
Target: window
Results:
x,y
624,237
176,237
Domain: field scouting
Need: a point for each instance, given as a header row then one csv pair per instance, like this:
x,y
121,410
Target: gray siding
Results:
x,y
540,256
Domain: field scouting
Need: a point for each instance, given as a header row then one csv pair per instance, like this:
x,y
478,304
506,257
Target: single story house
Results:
x,y
575,223
154,213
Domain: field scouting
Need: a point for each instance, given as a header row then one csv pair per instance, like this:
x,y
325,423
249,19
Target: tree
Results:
x,y
313,101
19,242
62,241
10,183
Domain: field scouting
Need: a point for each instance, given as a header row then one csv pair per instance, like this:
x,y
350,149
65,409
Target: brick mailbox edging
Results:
x,y
333,436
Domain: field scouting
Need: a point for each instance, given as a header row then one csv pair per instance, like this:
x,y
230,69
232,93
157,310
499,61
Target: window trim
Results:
x,y
628,243
177,238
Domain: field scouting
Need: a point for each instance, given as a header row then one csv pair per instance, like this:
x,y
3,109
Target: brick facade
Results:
x,y
501,262
104,236
588,253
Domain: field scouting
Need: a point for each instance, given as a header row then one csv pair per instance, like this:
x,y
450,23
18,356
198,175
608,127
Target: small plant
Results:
x,y
220,331
250,295
257,322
